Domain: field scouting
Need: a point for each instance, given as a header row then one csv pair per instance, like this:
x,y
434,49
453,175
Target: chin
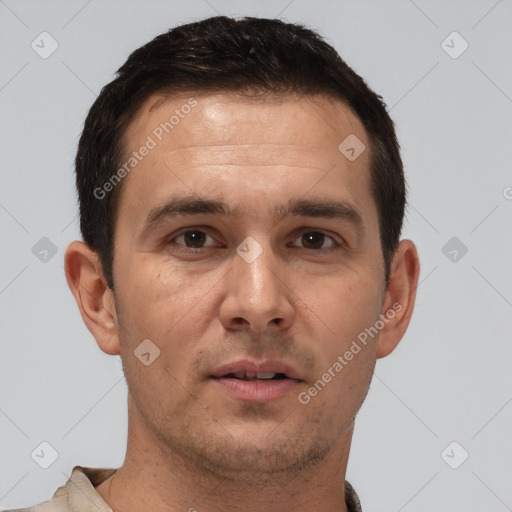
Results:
x,y
254,460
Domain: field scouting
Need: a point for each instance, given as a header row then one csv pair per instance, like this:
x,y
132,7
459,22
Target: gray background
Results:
x,y
449,379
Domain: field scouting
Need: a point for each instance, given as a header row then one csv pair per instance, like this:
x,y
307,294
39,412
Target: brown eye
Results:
x,y
193,238
315,240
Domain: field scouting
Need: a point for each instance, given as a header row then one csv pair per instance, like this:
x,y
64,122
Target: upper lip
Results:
x,y
247,365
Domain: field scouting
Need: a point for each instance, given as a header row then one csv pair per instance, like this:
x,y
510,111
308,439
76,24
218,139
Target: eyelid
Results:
x,y
336,243
201,229
296,235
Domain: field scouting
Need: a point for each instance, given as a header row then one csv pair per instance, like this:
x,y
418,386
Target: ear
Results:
x,y
399,298
95,300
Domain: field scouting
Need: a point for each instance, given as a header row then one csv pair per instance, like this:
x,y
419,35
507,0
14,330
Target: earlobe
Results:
x,y
400,297
93,297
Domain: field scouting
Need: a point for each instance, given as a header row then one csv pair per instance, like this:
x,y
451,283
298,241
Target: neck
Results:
x,y
155,474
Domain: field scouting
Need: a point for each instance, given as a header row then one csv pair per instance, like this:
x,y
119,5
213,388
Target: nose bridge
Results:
x,y
254,270
256,293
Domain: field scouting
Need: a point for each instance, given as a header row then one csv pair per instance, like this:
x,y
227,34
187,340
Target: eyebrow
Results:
x,y
194,205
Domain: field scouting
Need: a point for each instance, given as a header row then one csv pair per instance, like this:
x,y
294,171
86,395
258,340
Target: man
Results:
x,y
241,202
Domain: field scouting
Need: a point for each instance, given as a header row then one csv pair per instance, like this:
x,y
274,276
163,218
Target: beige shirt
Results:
x,y
79,495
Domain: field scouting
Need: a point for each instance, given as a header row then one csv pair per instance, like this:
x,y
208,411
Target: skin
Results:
x,y
190,445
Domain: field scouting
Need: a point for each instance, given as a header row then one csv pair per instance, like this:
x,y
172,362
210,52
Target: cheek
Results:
x,y
164,306
346,359
345,306
164,302
345,363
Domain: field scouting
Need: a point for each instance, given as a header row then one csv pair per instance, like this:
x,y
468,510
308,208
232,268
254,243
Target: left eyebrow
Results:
x,y
320,208
193,205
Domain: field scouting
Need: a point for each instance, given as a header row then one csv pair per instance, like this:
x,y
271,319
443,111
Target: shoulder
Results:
x,y
351,499
77,494
58,503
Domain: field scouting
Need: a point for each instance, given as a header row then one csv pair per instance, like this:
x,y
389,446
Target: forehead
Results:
x,y
225,143
310,119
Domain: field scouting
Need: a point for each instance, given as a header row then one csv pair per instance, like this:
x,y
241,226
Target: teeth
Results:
x,y
254,375
267,375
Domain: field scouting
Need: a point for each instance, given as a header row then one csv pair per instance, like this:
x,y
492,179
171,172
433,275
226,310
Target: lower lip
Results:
x,y
257,391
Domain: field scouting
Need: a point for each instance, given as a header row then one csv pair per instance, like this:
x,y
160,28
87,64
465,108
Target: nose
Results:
x,y
258,295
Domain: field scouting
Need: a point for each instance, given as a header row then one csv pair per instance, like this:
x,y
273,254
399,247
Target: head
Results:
x,y
224,221
252,56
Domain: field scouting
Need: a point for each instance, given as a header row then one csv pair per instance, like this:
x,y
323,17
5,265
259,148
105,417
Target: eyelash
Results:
x,y
302,232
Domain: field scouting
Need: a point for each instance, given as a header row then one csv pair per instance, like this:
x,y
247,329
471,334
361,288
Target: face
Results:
x,y
247,242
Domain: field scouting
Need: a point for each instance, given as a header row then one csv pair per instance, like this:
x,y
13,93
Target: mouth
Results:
x,y
256,382
256,376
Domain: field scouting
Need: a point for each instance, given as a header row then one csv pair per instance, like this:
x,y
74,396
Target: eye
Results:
x,y
315,240
196,239
193,239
